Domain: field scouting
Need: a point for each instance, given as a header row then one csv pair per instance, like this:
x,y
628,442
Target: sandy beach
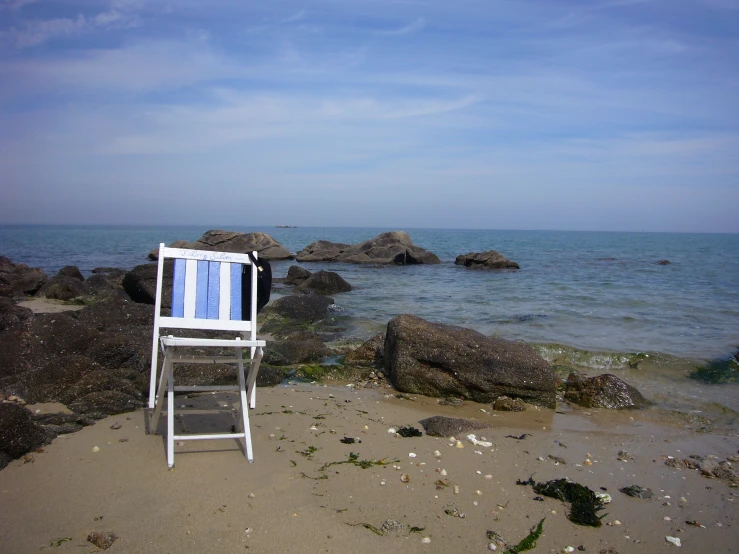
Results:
x,y
296,497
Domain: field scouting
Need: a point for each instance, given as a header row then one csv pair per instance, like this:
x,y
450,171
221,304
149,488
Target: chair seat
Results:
x,y
227,343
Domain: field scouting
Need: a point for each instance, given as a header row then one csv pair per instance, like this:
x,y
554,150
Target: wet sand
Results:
x,y
214,501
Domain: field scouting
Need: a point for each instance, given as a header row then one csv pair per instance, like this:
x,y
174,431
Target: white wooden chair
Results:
x,y
207,294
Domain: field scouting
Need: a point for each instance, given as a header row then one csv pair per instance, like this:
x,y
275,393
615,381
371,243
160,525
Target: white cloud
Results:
x,y
412,27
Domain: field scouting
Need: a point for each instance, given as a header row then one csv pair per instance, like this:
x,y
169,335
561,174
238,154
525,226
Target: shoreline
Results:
x,y
217,502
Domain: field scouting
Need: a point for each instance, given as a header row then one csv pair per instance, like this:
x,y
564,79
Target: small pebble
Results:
x,y
426,540
673,540
456,489
405,478
459,444
366,427
616,522
437,453
478,493
492,547
443,472
251,495
568,549
667,518
382,483
411,454
95,449
488,477
391,431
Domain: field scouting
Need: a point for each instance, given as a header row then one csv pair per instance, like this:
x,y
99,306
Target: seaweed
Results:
x,y
308,452
409,431
369,526
583,502
718,371
530,541
354,460
320,478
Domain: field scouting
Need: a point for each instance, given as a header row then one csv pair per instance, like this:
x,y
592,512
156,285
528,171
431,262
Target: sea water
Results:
x,y
593,299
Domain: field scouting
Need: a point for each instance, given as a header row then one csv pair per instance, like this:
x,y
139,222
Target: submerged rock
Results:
x,y
489,259
443,360
296,275
603,391
325,282
395,247
369,353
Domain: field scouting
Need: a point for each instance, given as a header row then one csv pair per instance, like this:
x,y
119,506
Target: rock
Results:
x,y
296,275
325,282
269,376
59,373
229,241
394,247
490,259
71,271
111,315
637,492
19,279
62,287
102,540
125,381
506,404
105,285
603,391
306,308
289,352
105,403
18,433
368,354
141,283
119,350
443,360
663,262
442,426
11,314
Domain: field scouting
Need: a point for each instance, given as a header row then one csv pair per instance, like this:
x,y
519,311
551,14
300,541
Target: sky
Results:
x,y
619,115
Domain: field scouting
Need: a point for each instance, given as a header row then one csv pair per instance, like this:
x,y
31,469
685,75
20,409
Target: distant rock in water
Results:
x,y
664,262
395,247
229,241
489,259
603,391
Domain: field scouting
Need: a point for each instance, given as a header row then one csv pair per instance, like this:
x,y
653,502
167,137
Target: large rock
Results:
x,y
62,287
18,433
325,282
307,308
395,247
229,241
489,259
295,351
603,391
141,283
71,271
11,314
102,403
19,279
296,275
443,360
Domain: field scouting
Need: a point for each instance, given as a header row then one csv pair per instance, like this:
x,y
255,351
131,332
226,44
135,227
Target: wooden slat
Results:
x,y
235,291
214,289
201,300
224,304
214,324
191,283
178,289
207,255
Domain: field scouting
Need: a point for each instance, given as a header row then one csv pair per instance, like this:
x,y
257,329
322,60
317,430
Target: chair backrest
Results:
x,y
210,290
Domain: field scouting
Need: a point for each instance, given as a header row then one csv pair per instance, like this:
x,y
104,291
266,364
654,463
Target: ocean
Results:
x,y
598,300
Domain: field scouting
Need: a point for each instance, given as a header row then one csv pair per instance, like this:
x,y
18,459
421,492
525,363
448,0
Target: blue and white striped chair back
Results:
x,y
210,290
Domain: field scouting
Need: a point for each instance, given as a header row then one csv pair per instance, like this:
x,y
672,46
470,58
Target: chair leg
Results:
x,y
244,408
170,416
252,379
163,379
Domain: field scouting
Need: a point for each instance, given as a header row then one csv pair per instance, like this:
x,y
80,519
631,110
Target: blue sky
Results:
x,y
520,114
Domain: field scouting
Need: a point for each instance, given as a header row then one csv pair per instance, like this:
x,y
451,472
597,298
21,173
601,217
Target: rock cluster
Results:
x,y
395,247
230,241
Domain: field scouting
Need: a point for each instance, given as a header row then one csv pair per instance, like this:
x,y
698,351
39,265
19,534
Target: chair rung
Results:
x,y
182,359
208,437
206,388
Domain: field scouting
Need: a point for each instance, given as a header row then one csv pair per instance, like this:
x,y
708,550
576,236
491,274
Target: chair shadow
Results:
x,y
219,419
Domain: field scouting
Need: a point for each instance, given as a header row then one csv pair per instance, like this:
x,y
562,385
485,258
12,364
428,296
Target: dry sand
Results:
x,y
214,501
